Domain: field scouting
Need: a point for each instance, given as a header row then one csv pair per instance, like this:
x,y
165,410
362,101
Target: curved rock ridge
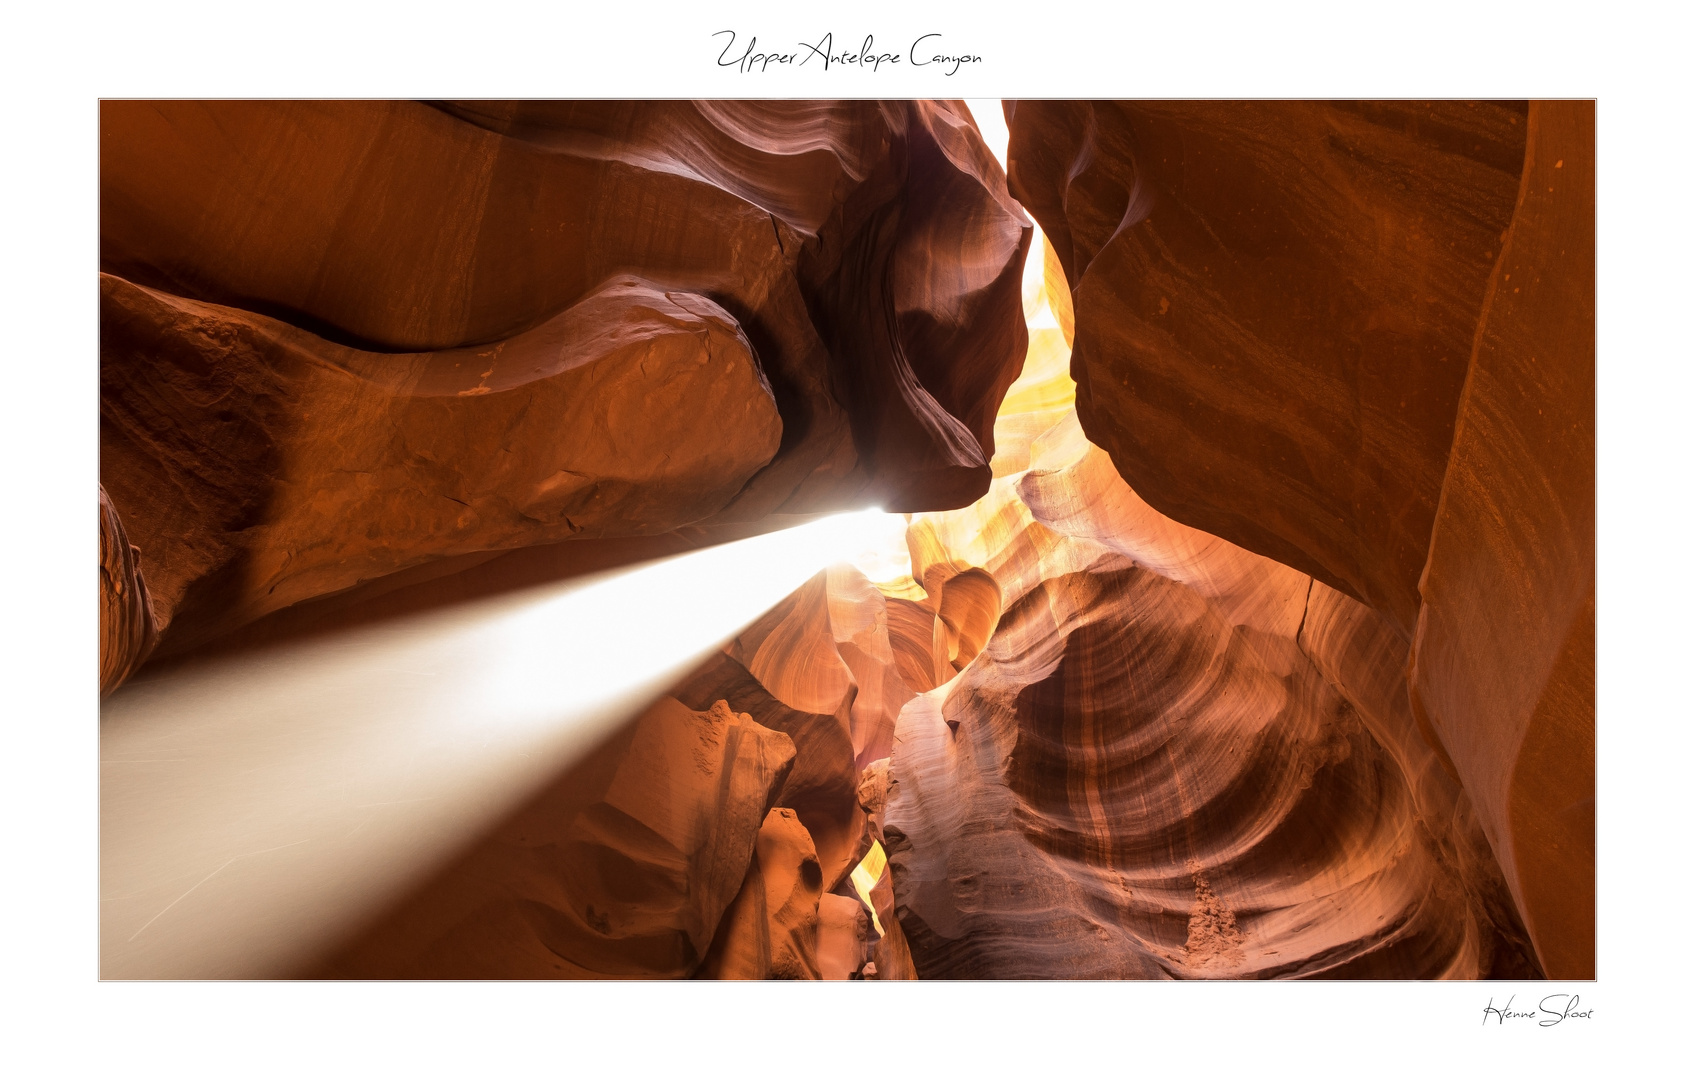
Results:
x,y
771,929
1362,655
262,465
821,789
1503,668
869,251
827,649
1123,766
128,629
844,934
683,847
623,869
890,954
1359,338
1275,303
860,260
1173,759
892,209
361,358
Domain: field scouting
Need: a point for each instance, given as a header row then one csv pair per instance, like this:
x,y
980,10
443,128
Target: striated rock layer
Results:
x,y
346,339
1275,308
771,929
1124,761
363,351
820,791
1359,338
128,631
622,869
1503,669
1173,758
673,851
249,495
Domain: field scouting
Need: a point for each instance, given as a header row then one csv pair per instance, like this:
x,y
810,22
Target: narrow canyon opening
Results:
x,y
847,540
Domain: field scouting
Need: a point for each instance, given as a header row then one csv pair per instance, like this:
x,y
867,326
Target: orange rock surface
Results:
x,y
1243,622
1359,338
248,446
1173,757
773,928
128,631
342,339
1503,668
820,789
622,869
891,954
1275,307
843,933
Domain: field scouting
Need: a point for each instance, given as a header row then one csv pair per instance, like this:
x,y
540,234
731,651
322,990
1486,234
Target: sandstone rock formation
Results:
x,y
1173,758
843,933
340,339
1503,668
247,444
891,954
622,869
127,629
1263,649
826,649
874,795
1126,762
1275,305
773,928
820,789
1358,339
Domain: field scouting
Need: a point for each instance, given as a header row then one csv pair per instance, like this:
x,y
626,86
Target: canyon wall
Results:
x,y
346,340
1078,739
1173,758
1300,327
1244,625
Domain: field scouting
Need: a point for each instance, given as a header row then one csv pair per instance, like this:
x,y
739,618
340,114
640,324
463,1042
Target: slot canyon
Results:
x,y
847,539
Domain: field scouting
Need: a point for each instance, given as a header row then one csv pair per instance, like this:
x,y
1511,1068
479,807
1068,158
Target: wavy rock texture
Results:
x,y
918,642
773,928
1361,654
1153,769
623,869
251,491
352,349
844,932
1358,338
1122,765
1275,304
826,649
833,285
127,628
874,795
890,953
821,789
618,870
1511,695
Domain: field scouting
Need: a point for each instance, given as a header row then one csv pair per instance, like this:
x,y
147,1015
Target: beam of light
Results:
x,y
253,809
865,877
991,124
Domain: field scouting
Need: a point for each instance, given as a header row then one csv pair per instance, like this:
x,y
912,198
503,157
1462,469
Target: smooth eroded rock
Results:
x,y
623,868
773,928
128,630
1504,660
1275,304
257,465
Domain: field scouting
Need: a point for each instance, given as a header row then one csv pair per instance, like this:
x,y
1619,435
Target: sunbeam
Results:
x,y
254,807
